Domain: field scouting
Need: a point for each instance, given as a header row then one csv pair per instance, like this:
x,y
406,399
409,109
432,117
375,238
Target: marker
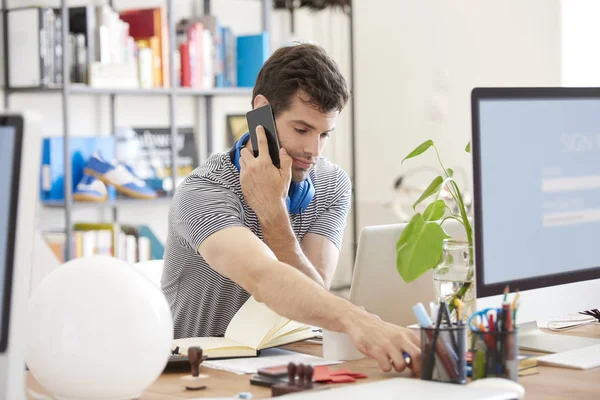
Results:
x,y
422,316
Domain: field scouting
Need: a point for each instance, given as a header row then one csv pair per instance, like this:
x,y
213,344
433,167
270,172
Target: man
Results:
x,y
232,233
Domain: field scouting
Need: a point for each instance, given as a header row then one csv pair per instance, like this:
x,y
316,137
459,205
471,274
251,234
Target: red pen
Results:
x,y
491,328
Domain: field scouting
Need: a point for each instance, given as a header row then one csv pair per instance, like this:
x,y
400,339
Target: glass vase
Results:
x,y
454,277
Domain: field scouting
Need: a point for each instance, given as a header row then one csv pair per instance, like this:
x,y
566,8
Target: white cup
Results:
x,y
338,346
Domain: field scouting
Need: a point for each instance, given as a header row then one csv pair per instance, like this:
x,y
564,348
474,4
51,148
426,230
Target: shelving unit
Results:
x,y
77,89
68,89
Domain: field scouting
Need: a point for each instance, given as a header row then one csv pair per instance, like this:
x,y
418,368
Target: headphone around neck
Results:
x,y
300,193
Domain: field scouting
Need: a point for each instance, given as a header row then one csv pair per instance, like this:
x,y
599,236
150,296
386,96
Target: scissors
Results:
x,y
479,318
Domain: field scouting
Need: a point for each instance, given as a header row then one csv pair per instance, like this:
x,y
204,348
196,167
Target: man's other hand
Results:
x,y
385,342
265,187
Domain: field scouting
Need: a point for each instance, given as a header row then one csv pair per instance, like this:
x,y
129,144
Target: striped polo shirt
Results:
x,y
203,301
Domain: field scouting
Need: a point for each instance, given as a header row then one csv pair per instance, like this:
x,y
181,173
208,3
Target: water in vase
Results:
x,y
448,280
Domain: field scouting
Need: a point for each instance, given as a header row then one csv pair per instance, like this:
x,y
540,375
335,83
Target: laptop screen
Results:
x,y
9,147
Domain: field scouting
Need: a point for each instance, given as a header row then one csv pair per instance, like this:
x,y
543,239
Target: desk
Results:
x,y
550,383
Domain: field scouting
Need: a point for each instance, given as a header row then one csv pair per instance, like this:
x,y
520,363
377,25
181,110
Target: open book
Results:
x,y
254,327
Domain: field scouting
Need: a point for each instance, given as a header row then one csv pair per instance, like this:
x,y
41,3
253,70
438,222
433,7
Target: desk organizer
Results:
x,y
495,354
447,363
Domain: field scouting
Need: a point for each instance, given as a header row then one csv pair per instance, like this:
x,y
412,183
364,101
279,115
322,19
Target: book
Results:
x,y
251,53
148,151
253,328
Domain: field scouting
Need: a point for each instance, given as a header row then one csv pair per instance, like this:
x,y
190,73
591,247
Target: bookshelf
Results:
x,y
86,90
68,89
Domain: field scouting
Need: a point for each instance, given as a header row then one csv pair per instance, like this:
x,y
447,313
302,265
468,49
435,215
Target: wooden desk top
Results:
x,y
550,383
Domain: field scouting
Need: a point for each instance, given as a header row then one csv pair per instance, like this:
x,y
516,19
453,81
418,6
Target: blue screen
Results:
x,y
7,150
540,185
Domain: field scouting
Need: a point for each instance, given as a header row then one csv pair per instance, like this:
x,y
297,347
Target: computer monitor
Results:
x,y
536,164
20,152
376,284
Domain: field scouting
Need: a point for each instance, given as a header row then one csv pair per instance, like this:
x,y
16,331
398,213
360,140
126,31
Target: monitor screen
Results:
x,y
538,181
9,150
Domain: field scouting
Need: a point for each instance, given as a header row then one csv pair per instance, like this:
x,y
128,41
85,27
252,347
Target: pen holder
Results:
x,y
495,354
443,353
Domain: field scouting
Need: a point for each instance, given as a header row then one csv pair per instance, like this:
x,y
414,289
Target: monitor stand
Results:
x,y
532,338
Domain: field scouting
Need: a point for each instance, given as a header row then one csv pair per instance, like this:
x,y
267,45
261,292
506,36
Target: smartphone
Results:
x,y
264,116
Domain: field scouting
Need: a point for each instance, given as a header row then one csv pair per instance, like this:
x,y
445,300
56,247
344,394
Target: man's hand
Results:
x,y
265,187
385,342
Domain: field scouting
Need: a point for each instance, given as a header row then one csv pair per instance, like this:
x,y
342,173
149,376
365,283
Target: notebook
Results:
x,y
253,328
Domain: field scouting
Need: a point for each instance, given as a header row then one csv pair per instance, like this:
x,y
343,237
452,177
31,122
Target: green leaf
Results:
x,y
468,148
421,248
407,232
450,172
433,188
420,149
434,211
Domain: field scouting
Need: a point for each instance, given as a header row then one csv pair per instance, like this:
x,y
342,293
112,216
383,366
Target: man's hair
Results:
x,y
305,67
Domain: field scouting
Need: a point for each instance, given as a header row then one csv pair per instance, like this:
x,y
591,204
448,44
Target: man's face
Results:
x,y
303,132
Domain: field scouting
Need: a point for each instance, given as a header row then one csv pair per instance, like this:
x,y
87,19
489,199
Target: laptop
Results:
x,y
376,284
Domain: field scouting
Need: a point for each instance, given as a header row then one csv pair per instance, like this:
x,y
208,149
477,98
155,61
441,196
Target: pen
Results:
x,y
458,304
406,358
515,305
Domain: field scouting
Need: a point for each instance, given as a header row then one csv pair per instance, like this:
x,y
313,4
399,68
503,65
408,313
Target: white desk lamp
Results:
x,y
98,329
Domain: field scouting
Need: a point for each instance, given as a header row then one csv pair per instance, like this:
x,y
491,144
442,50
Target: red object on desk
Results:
x,y
324,375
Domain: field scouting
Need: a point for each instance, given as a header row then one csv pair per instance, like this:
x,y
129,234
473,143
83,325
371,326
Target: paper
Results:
x,y
267,358
566,322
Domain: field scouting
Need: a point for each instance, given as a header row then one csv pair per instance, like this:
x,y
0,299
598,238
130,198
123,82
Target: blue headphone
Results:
x,y
300,193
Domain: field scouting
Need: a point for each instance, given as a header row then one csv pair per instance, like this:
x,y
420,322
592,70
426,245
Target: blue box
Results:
x,y
52,176
252,52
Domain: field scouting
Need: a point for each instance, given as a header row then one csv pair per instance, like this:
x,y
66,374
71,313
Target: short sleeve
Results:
x,y
202,208
332,221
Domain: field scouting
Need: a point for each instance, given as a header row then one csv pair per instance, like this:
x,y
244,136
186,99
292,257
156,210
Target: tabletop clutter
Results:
x,y
446,355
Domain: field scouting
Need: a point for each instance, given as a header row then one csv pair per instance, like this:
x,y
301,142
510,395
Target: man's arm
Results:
x,y
279,236
323,254
252,265
323,241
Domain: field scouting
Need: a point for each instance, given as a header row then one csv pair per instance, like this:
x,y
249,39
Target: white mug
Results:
x,y
338,346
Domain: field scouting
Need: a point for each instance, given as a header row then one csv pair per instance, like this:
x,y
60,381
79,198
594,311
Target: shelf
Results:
x,y
82,89
105,204
86,90
234,91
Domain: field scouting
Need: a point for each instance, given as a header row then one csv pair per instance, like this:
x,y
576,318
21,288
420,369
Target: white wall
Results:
x,y
410,53
90,115
580,32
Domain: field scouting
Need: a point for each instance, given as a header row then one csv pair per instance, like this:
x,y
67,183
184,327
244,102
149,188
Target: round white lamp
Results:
x,y
98,329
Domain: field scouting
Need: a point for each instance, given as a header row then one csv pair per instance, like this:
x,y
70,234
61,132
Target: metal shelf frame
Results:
x,y
68,88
